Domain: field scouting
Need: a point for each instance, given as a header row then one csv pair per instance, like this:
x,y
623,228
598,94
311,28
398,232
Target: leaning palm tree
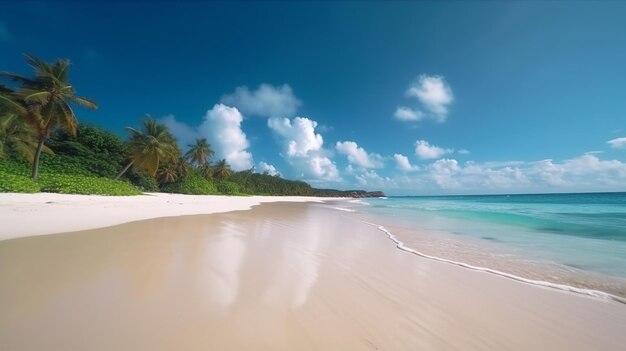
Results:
x,y
44,101
199,153
17,137
150,147
221,170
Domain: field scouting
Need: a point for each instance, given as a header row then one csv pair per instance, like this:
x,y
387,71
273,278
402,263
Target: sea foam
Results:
x,y
588,292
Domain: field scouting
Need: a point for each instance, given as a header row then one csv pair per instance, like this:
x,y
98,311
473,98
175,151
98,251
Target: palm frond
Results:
x,y
83,101
11,104
17,77
36,63
31,95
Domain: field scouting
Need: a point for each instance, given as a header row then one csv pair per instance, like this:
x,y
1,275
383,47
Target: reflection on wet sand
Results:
x,y
278,277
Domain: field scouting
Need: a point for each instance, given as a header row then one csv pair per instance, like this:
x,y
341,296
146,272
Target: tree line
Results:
x,y
39,130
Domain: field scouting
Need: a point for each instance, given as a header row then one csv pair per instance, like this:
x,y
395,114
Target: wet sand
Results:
x,y
482,253
277,277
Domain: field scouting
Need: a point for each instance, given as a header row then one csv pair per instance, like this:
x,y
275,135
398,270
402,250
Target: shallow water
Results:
x,y
569,235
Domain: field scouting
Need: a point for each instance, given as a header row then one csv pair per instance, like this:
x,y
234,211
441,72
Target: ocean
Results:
x,y
574,235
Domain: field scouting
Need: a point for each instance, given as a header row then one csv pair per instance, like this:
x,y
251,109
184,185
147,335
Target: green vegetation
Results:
x,y
37,125
150,147
43,102
77,184
194,184
228,188
17,184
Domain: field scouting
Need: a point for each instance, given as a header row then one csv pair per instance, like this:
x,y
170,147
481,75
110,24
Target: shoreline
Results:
x,y
475,255
25,215
539,283
287,276
95,212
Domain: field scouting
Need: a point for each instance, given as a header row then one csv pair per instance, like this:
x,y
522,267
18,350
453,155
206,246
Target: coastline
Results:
x,y
26,215
473,254
285,276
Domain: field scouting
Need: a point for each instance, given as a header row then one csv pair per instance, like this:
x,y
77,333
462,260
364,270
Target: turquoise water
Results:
x,y
584,231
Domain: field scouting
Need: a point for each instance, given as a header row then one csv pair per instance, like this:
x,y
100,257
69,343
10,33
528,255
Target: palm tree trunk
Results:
x,y
125,169
36,160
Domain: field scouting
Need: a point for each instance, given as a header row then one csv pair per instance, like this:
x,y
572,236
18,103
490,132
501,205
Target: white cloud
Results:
x,y
584,173
426,151
406,114
322,168
443,171
372,180
618,143
299,133
302,147
434,94
403,164
267,168
222,126
265,101
358,156
463,152
185,134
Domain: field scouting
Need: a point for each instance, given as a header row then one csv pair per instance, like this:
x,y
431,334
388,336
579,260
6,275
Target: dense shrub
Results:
x,y
141,180
78,184
193,184
15,167
228,188
12,183
265,184
93,150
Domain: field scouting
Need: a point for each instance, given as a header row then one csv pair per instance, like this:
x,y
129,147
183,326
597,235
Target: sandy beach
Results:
x,y
279,276
46,213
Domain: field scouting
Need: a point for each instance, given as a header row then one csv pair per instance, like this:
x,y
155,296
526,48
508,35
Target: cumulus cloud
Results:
x,y
299,134
358,156
584,173
184,133
302,147
618,143
404,113
267,168
265,101
221,126
425,151
403,164
434,94
371,179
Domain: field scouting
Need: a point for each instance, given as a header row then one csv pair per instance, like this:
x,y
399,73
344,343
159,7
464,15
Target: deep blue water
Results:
x,y
586,231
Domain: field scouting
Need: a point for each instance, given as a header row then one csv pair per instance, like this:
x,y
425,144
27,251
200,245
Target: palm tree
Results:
x,y
44,101
199,153
167,173
222,170
171,171
150,147
18,137
206,170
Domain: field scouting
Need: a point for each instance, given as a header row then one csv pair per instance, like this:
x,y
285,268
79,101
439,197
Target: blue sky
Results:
x,y
407,97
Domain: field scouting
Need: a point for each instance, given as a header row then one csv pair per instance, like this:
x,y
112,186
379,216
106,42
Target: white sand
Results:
x,y
45,213
277,277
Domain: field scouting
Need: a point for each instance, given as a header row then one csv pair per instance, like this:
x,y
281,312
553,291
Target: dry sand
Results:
x,y
277,277
45,213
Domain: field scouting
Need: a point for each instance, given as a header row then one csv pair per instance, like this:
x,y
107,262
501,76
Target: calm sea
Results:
x,y
584,231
